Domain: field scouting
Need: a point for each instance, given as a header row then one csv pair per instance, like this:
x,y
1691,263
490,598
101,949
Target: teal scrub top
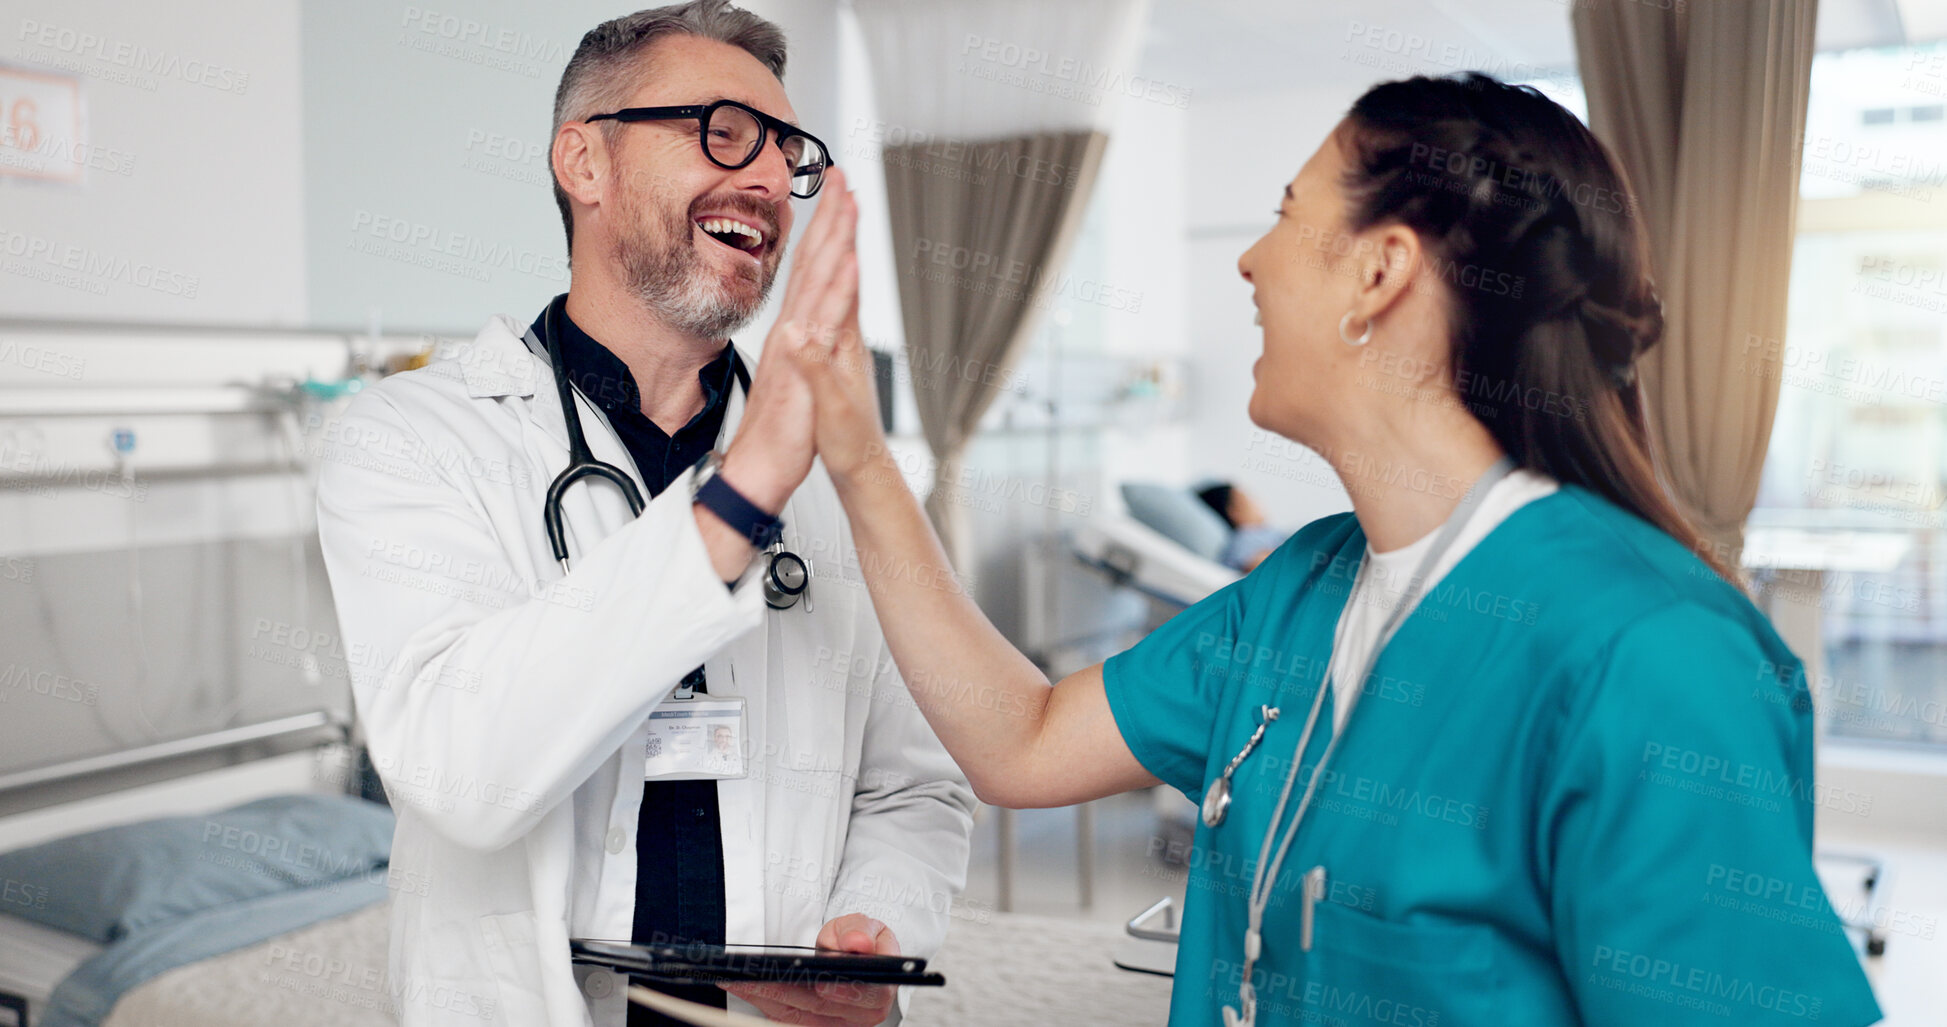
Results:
x,y
1577,789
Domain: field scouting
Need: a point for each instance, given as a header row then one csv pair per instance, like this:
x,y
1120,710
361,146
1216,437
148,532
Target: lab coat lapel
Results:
x,y
543,404
604,444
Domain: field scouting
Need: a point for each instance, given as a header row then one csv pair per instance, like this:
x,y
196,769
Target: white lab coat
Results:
x,y
503,702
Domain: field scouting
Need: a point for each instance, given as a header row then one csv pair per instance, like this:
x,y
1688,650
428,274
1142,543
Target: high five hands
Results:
x,y
813,390
775,445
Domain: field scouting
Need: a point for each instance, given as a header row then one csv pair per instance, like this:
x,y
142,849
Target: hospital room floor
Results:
x,y
1127,878
1912,992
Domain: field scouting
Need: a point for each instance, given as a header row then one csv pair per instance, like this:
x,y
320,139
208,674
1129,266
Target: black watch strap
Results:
x,y
743,516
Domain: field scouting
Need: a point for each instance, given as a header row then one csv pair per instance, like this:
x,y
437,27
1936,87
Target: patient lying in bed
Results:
x,y
1252,537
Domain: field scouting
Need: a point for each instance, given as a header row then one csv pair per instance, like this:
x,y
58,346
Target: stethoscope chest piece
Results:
x,y
1216,802
787,579
1216,798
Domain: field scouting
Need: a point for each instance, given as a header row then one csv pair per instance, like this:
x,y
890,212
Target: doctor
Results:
x,y
1497,747
508,704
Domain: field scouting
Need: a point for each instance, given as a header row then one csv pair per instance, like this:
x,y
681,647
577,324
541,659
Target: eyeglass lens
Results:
x,y
734,134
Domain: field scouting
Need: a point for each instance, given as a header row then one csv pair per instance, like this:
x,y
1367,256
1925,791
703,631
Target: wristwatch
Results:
x,y
744,517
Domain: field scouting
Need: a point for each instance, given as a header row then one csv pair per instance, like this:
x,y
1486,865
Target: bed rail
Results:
x,y
314,721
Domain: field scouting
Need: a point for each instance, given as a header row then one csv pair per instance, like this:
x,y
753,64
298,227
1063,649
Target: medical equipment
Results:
x,y
1244,1014
1216,801
787,576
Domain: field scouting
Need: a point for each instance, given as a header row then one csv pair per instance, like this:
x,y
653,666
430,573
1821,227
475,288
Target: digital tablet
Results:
x,y
781,964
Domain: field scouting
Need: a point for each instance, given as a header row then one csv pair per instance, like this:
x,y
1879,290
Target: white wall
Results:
x,y
429,202
1242,150
1143,206
202,220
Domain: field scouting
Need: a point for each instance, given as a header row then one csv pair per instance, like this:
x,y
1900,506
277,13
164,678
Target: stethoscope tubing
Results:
x,y
581,460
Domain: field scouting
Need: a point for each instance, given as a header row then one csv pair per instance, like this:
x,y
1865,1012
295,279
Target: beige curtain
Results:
x,y
981,232
1705,108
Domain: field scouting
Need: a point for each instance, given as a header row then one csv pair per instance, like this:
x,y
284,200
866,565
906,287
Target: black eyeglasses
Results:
x,y
732,135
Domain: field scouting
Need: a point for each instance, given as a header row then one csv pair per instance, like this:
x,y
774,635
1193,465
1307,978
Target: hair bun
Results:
x,y
1627,331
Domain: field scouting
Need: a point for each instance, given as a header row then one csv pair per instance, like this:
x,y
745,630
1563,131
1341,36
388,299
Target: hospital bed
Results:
x,y
1164,544
250,894
156,544
1133,555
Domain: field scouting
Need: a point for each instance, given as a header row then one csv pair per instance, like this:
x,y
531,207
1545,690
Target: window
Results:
x,y
1858,458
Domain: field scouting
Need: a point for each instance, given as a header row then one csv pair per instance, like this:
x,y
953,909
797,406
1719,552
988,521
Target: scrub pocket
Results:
x,y
1366,970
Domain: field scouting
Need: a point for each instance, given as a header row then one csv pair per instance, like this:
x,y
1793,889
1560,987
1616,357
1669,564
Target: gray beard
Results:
x,y
673,282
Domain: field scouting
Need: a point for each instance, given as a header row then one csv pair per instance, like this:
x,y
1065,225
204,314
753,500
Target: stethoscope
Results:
x,y
787,576
1216,800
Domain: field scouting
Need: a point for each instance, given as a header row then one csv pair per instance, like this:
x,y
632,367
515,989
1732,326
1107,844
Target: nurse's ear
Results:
x,y
1398,296
1387,260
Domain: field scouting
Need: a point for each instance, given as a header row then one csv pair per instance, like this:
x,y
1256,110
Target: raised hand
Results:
x,y
774,445
837,368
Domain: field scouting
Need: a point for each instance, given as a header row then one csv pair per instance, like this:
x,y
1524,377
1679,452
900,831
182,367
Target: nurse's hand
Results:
x,y
773,449
831,1005
838,369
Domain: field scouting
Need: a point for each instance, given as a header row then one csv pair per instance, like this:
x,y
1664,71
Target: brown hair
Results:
x,y
1533,228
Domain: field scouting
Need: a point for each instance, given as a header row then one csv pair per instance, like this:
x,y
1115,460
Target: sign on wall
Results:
x,y
43,133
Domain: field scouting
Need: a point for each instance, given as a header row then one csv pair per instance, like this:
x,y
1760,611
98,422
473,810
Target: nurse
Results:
x,y
1501,746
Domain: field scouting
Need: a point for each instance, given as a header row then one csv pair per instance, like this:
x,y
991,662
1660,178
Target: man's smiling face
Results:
x,y
699,244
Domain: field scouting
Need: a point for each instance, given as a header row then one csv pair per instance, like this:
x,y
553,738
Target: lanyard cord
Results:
x,y
1267,872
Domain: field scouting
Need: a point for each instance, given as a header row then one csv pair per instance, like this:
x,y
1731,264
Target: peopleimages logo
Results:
x,y
1702,984
101,267
133,57
1040,71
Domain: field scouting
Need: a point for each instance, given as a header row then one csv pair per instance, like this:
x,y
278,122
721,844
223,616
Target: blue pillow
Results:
x,y
1179,516
104,884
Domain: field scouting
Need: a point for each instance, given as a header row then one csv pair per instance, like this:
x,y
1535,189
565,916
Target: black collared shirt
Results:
x,y
679,841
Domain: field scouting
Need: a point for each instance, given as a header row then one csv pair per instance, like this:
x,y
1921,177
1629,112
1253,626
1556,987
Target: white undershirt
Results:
x,y
1383,580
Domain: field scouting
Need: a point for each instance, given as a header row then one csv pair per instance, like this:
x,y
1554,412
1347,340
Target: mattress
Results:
x,y
34,958
330,974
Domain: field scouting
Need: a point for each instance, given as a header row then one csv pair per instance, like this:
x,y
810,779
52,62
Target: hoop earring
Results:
x,y
1364,337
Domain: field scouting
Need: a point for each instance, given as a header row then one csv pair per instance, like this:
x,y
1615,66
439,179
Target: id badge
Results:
x,y
699,739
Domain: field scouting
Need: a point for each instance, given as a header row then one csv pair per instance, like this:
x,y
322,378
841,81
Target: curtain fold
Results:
x,y
1704,107
982,236
994,115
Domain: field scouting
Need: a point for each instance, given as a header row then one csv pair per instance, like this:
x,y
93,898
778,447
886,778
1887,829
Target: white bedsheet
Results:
x,y
330,974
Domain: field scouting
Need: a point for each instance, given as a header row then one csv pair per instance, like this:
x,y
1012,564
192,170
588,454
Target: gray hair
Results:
x,y
607,66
